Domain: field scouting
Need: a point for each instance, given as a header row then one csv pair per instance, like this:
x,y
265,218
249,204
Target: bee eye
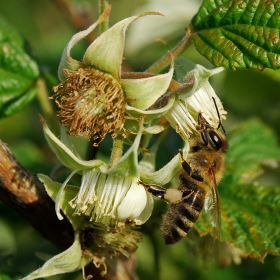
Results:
x,y
216,139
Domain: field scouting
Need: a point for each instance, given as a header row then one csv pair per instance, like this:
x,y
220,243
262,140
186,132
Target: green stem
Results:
x,y
103,26
45,104
163,62
117,151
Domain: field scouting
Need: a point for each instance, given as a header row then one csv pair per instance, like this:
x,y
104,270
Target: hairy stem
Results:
x,y
163,62
103,26
117,151
46,106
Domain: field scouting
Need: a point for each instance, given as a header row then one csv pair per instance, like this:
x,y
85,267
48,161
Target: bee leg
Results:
x,y
155,190
193,173
169,195
185,165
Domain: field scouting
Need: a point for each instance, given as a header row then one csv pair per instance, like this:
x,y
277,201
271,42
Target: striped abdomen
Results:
x,y
181,216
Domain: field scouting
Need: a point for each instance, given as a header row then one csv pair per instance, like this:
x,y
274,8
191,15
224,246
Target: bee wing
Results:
x,y
212,207
209,207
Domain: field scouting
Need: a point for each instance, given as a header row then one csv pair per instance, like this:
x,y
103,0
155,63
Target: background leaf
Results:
x,y
238,33
249,210
18,72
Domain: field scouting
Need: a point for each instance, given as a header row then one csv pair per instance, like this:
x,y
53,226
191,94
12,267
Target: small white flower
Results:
x,y
103,210
183,115
107,195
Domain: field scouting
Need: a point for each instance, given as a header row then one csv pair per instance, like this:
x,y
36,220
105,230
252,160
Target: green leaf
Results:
x,y
249,211
238,34
251,145
18,72
250,218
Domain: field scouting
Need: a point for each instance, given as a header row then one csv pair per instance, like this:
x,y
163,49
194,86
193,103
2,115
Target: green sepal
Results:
x,y
64,154
151,114
166,173
67,62
146,91
148,163
155,129
106,51
70,260
201,77
69,192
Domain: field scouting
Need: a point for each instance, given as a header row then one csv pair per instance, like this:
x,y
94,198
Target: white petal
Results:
x,y
146,213
134,202
202,101
181,119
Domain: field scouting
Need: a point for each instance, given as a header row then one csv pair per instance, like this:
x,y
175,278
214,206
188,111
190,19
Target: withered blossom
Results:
x,y
91,102
92,97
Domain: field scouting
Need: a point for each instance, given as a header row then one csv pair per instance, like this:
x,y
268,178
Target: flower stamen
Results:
x,y
91,102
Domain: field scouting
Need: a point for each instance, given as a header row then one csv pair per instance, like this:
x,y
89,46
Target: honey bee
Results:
x,y
201,172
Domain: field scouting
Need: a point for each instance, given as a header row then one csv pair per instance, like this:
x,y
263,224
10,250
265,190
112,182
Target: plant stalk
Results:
x,y
117,151
103,26
163,62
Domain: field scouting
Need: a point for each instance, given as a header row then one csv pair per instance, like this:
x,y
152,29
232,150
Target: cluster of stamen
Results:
x,y
90,103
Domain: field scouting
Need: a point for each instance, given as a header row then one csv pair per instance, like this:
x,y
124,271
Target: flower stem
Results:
x,y
45,104
103,26
117,151
163,62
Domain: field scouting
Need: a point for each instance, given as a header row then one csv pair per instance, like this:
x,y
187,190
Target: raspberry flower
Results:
x,y
93,97
106,193
103,209
181,105
183,114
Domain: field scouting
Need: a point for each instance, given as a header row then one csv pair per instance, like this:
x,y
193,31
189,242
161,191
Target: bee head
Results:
x,y
212,136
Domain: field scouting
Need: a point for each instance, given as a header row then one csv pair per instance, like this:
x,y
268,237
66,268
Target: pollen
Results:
x,y
90,103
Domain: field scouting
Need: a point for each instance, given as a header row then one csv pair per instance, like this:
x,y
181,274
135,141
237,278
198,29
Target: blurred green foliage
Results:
x,y
245,94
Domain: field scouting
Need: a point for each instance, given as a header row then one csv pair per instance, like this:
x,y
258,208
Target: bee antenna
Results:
x,y
220,121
